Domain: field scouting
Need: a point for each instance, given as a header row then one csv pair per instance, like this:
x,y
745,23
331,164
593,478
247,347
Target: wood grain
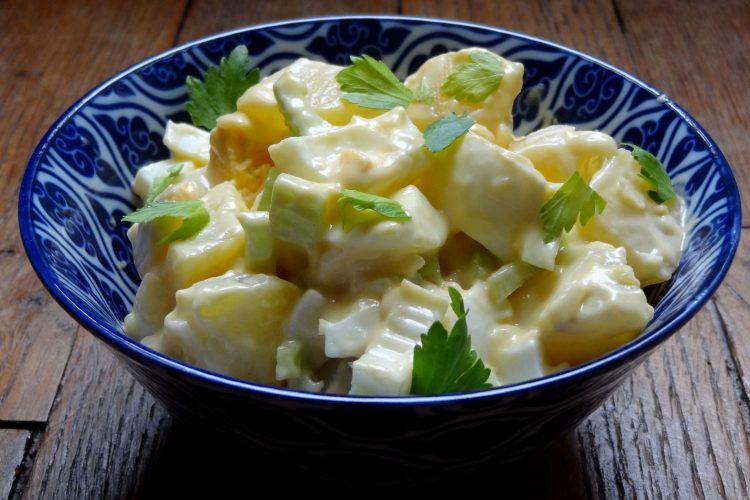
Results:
x,y
705,47
47,63
678,428
207,17
732,302
12,449
675,428
588,26
101,433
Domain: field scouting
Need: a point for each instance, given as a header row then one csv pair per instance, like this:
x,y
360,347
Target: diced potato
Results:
x,y
317,96
216,248
651,233
494,196
375,155
495,113
239,154
592,303
230,324
558,151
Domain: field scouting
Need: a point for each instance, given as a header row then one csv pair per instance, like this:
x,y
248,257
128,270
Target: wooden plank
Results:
x,y
52,53
12,450
588,26
732,302
206,17
675,429
697,53
102,433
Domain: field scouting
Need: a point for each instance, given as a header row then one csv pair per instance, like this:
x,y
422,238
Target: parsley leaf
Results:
x,y
223,86
193,214
654,172
371,84
423,93
163,182
574,200
475,80
447,363
359,201
442,132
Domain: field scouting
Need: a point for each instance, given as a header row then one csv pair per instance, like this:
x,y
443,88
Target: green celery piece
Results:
x,y
299,210
259,247
264,204
508,279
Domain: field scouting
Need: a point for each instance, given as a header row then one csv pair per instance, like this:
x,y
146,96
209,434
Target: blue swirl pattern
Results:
x,y
77,187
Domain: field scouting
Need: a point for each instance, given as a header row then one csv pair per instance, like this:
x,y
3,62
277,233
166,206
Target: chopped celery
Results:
x,y
288,360
430,271
264,202
291,93
300,209
259,252
508,279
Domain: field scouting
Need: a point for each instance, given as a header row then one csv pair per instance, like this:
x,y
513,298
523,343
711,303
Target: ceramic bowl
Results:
x,y
77,187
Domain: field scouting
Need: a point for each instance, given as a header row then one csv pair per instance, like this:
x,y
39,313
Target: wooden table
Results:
x,y
74,424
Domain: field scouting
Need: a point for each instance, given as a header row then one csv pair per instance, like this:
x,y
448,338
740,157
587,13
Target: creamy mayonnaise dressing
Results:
x,y
277,289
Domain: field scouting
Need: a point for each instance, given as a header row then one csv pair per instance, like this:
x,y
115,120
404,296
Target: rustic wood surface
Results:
x,y
74,424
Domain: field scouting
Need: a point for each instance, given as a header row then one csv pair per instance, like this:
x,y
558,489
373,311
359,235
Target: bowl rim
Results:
x,y
144,355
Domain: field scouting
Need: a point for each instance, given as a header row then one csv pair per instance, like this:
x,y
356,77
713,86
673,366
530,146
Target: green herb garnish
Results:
x,y
423,93
475,80
442,132
574,200
447,363
654,172
163,182
371,84
359,201
223,85
193,214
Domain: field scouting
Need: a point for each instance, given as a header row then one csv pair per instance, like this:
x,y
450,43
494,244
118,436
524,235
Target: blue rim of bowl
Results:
x,y
127,345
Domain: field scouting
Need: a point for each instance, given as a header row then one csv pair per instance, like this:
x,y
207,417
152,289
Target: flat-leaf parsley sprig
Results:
x,y
371,84
654,172
380,207
573,201
223,85
447,363
475,80
193,214
443,132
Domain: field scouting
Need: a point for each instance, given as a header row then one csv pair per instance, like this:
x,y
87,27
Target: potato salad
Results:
x,y
334,229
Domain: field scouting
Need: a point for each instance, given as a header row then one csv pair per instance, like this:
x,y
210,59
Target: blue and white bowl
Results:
x,y
77,187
